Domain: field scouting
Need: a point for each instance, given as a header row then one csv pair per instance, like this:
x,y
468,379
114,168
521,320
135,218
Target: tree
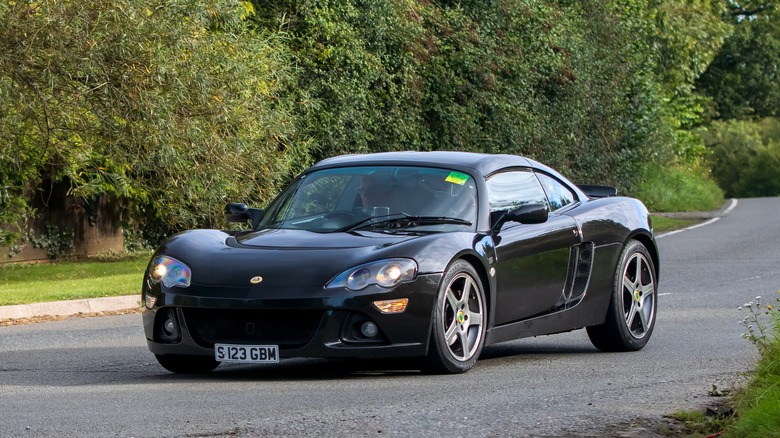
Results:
x,y
173,106
743,79
688,35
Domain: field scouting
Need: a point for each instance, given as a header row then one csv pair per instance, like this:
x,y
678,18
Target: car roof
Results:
x,y
483,164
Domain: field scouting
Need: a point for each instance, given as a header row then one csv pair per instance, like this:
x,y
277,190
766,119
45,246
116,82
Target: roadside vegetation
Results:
x,y
173,108
752,411
662,223
677,188
74,279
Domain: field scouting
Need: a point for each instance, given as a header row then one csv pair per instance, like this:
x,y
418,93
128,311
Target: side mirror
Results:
x,y
526,214
239,212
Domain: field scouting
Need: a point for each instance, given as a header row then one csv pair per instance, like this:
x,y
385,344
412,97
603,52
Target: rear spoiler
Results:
x,y
597,191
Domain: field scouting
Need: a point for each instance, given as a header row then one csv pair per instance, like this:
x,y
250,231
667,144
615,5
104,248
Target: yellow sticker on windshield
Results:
x,y
457,178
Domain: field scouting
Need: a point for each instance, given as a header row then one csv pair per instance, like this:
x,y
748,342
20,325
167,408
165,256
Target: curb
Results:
x,y
71,307
725,209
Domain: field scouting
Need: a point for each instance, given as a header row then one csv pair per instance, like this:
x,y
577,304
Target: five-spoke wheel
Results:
x,y
631,314
458,322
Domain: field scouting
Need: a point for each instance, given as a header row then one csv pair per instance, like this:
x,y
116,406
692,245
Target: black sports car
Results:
x,y
406,254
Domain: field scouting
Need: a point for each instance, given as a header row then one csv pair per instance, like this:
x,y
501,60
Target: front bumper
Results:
x,y
303,323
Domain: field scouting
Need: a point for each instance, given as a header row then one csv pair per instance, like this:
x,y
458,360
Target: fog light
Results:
x,y
150,300
392,306
369,329
169,326
166,327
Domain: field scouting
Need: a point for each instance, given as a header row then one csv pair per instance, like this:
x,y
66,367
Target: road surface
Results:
x,y
95,376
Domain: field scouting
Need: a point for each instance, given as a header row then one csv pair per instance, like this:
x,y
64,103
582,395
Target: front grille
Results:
x,y
286,328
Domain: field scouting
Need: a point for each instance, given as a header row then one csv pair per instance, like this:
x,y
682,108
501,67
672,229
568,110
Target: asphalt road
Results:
x,y
95,377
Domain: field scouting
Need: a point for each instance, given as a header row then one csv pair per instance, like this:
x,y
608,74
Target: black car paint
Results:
x,y
220,272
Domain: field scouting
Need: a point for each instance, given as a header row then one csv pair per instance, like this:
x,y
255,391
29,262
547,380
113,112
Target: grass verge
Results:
x,y
758,406
677,188
753,411
69,280
662,224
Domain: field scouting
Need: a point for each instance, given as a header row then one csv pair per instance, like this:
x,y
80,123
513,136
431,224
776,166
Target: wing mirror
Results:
x,y
526,214
239,212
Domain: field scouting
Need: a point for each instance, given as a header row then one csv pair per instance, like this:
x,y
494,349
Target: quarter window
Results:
x,y
558,194
510,190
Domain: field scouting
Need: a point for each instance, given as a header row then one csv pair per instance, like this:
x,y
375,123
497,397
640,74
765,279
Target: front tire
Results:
x,y
631,314
184,364
459,320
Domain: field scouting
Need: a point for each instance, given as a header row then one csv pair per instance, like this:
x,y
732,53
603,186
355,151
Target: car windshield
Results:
x,y
387,198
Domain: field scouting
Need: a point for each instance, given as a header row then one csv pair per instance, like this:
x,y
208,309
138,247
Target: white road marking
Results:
x,y
713,220
731,207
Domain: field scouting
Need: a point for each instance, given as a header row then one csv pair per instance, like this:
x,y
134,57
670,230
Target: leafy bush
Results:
x,y
679,188
179,106
746,157
172,106
569,83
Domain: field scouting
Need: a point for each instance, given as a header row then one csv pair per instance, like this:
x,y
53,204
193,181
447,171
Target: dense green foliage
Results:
x,y
175,107
562,82
746,156
679,188
743,79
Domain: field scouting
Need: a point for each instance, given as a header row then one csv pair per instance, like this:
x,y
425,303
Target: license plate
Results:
x,y
246,353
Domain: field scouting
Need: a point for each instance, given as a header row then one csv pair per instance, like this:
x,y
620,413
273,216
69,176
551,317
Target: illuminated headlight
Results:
x,y
170,272
385,273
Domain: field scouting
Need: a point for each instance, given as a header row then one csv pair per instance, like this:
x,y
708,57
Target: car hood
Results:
x,y
303,240
283,258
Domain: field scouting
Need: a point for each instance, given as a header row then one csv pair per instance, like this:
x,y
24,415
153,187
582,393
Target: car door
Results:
x,y
532,260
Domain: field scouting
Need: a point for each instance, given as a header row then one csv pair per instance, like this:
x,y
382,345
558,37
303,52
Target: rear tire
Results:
x,y
184,364
459,320
632,308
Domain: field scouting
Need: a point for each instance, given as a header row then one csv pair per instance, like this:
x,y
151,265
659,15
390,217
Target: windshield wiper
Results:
x,y
402,220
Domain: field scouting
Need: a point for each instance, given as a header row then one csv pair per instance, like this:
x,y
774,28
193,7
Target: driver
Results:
x,y
373,194
378,190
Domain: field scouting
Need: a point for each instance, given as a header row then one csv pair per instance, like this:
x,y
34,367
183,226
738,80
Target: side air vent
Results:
x,y
581,272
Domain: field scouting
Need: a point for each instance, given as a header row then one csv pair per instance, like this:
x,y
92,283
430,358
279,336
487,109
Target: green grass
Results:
x,y
67,280
679,189
662,224
758,406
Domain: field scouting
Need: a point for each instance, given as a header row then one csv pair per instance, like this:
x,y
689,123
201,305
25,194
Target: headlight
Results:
x,y
385,273
170,272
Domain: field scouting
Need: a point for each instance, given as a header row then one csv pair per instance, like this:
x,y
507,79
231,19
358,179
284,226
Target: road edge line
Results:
x,y
732,206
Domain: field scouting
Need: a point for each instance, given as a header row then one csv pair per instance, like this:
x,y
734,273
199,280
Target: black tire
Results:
x,y
632,308
184,364
458,322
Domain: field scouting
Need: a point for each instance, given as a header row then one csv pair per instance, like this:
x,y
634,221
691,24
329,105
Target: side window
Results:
x,y
558,194
510,190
